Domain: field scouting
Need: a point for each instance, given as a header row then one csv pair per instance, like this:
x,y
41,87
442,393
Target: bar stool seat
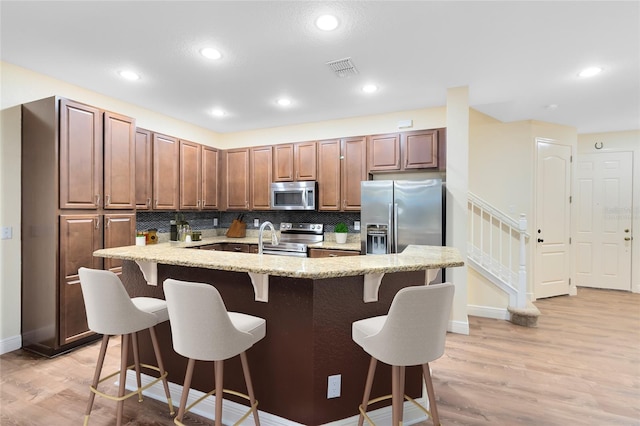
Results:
x,y
412,333
110,311
203,329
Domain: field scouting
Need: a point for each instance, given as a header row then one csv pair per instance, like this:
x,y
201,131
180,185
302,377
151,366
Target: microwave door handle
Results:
x,y
305,194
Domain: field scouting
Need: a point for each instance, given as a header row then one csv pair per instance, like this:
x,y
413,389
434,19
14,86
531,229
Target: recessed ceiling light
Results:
x,y
218,113
211,53
327,22
284,102
129,75
369,88
551,107
590,72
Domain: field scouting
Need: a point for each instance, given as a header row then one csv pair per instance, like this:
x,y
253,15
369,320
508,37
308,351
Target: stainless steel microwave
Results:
x,y
294,195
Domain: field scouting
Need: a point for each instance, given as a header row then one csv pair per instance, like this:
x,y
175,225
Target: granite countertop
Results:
x,y
414,258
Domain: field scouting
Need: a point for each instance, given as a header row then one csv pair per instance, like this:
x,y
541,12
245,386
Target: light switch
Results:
x,y
256,223
7,233
356,225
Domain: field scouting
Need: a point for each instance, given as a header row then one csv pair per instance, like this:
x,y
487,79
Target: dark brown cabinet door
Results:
x,y
283,163
80,156
237,179
144,175
210,166
119,231
80,236
384,152
354,158
190,175
260,171
166,152
119,161
329,175
305,161
420,149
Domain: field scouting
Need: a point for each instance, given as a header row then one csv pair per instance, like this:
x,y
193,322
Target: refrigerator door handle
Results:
x,y
390,230
395,228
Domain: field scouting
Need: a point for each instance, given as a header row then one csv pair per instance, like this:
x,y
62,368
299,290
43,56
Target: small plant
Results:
x,y
341,228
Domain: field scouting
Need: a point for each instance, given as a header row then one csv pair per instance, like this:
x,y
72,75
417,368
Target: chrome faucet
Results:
x,y
274,236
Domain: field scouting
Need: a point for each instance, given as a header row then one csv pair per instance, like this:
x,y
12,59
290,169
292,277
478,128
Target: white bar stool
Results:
x,y
110,311
202,329
413,333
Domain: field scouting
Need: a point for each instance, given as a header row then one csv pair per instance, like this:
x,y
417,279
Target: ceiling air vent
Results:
x,y
343,67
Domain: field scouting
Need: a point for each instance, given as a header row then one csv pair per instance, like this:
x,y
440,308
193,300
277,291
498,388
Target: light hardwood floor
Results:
x,y
580,366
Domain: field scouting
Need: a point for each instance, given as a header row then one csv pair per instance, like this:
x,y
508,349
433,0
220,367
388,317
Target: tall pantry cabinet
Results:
x,y
78,195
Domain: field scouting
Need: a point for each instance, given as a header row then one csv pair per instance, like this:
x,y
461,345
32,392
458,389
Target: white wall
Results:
x,y
614,142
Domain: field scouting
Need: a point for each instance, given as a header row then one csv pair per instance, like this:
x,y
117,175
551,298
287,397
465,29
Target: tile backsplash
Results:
x,y
204,220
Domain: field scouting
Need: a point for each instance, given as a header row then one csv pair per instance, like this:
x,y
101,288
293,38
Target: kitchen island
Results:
x,y
309,305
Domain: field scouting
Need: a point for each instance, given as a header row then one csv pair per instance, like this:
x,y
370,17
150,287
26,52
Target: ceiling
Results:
x,y
517,58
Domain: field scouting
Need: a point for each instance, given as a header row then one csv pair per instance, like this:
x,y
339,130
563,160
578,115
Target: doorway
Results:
x,y
553,219
603,229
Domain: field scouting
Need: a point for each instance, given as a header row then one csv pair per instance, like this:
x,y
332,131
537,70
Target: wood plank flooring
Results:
x,y
580,366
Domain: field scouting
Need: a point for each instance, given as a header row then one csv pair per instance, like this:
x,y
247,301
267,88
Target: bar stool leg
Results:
x,y
432,395
96,377
165,382
247,379
219,371
136,362
396,396
124,351
401,388
185,389
367,388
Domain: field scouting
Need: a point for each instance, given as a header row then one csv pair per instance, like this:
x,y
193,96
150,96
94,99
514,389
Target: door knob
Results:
x,y
540,240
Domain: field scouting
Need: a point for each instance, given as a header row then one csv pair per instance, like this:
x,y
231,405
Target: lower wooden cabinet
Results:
x,y
316,252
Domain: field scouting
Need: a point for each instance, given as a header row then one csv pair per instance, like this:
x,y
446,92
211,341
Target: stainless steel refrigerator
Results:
x,y
397,213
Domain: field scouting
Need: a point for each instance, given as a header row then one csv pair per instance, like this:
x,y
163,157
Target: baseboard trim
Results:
x,y
488,312
234,411
10,344
459,327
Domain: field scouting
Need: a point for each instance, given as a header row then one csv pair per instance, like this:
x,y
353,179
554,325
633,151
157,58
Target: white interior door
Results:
x,y
603,235
553,219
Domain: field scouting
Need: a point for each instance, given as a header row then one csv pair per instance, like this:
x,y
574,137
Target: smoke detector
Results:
x,y
343,67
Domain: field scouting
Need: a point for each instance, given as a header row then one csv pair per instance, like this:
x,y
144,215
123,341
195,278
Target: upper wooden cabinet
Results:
x,y
190,175
260,177
144,169
420,149
341,168
295,162
166,153
210,167
119,161
236,178
80,156
403,151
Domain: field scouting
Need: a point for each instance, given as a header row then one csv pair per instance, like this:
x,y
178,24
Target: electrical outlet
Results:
x,y
7,233
356,225
333,386
256,223
215,221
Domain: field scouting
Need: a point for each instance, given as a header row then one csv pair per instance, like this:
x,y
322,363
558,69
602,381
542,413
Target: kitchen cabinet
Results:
x,y
236,178
260,175
166,165
210,167
317,252
403,151
119,231
341,168
190,175
144,169
240,248
295,162
66,218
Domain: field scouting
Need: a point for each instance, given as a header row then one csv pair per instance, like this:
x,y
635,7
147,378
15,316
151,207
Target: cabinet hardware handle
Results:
x,y
156,204
107,200
97,199
148,202
540,240
97,223
333,255
198,204
628,238
108,223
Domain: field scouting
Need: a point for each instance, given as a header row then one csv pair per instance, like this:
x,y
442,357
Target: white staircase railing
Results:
x,y
497,248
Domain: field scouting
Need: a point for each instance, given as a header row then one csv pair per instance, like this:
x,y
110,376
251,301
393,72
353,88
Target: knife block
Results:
x,y
238,229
